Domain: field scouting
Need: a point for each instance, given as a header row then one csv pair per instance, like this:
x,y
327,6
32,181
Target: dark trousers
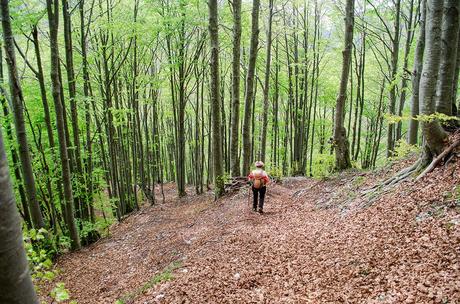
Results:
x,y
256,193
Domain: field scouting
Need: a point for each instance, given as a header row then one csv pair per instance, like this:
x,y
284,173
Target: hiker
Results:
x,y
258,179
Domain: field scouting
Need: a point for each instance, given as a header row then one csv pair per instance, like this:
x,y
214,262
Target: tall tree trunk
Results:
x,y
394,71
342,154
449,39
17,287
247,149
455,82
53,19
432,130
18,110
215,100
267,83
14,153
416,73
87,95
407,48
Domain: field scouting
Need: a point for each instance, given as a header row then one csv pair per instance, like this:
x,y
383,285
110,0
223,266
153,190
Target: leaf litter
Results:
x,y
403,248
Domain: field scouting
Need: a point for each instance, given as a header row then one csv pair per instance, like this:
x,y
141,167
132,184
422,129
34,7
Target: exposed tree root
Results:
x,y
444,155
420,165
397,178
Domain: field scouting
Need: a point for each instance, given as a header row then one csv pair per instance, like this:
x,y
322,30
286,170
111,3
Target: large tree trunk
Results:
x,y
418,66
449,39
17,287
234,140
250,87
18,110
215,100
342,154
53,19
432,130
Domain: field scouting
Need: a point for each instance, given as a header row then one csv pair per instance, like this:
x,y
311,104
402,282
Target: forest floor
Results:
x,y
319,241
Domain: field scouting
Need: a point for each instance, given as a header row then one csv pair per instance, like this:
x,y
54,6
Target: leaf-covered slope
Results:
x,y
316,243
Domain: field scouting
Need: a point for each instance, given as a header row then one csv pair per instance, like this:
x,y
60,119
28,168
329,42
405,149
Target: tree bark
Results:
x,y
53,19
416,73
17,287
18,110
394,71
215,100
342,154
432,130
449,38
267,83
407,49
247,149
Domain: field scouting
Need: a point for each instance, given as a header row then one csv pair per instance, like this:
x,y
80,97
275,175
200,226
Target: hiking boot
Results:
x,y
261,211
254,209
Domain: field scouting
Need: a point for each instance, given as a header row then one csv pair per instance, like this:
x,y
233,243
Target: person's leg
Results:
x,y
262,198
255,195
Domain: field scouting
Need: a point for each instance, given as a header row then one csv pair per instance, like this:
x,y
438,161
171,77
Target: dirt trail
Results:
x,y
299,251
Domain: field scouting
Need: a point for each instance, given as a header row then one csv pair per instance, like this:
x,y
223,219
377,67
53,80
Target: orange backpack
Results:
x,y
259,182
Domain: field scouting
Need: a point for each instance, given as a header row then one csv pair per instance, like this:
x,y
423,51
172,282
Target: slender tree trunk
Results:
x,y
247,149
342,154
407,49
14,153
267,83
53,19
215,100
87,95
416,73
455,82
394,71
18,110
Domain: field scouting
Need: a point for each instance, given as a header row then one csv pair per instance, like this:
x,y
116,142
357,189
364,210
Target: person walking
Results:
x,y
258,179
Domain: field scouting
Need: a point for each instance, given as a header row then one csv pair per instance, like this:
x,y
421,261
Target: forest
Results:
x,y
110,107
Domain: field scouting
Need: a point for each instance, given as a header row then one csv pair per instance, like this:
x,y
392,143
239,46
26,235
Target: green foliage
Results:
x,y
276,173
60,293
323,165
393,119
403,149
40,249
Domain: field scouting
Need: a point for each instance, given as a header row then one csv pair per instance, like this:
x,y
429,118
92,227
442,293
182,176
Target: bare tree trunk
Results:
x,y
17,287
394,71
14,153
449,39
215,100
342,154
455,82
267,82
18,110
53,19
416,73
86,92
247,149
432,130
235,128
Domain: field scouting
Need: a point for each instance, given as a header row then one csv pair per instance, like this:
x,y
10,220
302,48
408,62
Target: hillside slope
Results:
x,y
318,242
